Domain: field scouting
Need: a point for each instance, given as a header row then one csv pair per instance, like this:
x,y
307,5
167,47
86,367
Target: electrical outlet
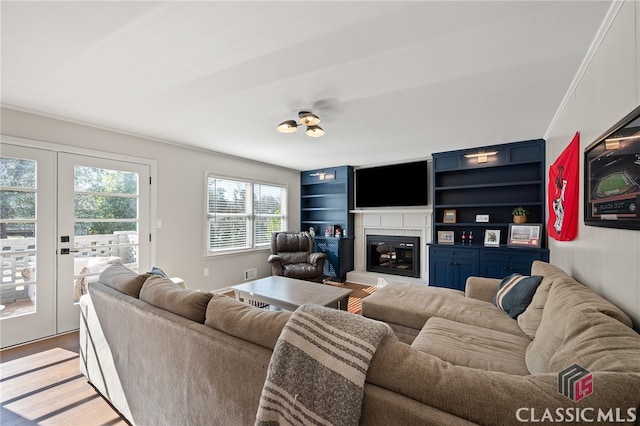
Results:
x,y
206,272
250,274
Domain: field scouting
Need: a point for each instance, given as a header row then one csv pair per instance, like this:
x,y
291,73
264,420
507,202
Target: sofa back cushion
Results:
x,y
123,279
529,320
580,327
294,257
255,325
164,293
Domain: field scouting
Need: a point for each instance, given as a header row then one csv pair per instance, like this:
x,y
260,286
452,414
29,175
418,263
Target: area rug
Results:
x,y
355,298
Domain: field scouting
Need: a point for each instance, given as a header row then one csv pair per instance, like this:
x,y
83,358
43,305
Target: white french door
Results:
x,y
103,218
27,236
61,229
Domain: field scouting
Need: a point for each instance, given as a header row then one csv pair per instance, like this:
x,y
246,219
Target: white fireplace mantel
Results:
x,y
413,222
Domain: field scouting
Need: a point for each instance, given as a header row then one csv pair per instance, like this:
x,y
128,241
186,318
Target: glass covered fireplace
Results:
x,y
395,255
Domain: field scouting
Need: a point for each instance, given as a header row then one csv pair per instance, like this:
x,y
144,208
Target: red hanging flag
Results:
x,y
564,183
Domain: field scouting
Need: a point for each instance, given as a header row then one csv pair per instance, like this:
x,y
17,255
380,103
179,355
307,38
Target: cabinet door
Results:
x,y
450,266
463,269
494,269
441,272
345,256
499,263
520,267
329,246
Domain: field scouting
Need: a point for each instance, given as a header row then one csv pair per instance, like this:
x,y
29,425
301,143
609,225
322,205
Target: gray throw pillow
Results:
x,y
123,279
515,293
164,293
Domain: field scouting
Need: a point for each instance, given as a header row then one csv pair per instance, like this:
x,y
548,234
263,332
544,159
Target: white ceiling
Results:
x,y
391,81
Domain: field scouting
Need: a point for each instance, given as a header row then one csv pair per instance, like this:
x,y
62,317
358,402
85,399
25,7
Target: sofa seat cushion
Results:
x,y
411,305
580,327
163,293
475,347
123,279
255,325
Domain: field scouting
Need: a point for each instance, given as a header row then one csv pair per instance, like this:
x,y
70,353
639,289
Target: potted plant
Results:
x,y
519,215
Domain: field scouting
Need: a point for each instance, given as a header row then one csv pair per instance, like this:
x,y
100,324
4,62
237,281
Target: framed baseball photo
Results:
x,y
612,176
528,235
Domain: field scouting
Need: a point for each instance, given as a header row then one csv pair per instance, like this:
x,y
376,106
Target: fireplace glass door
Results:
x,y
397,255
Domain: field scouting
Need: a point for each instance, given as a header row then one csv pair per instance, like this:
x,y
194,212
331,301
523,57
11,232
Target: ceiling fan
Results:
x,y
308,119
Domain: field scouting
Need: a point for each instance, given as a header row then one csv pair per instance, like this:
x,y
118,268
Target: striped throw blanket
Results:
x,y
317,371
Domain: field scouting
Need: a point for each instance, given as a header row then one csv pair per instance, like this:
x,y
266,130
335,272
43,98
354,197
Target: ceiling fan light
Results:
x,y
288,126
315,131
308,118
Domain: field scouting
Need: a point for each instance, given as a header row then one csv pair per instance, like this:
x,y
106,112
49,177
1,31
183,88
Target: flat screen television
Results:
x,y
394,185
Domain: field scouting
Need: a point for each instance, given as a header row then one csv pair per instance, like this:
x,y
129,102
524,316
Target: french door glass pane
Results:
x,y
17,236
106,227
94,179
105,206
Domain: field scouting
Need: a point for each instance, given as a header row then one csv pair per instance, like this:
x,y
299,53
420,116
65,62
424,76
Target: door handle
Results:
x,y
67,251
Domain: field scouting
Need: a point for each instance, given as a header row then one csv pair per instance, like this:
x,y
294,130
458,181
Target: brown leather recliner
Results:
x,y
293,256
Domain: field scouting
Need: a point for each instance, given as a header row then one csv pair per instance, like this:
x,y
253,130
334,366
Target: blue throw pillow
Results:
x,y
515,293
157,271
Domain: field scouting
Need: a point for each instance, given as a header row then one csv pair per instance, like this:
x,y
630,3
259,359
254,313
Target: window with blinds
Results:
x,y
239,221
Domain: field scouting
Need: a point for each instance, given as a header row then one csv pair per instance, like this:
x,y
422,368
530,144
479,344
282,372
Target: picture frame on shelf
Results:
x,y
449,216
445,237
492,238
525,235
482,218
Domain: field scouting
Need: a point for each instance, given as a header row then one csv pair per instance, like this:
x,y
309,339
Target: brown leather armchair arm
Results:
x,y
315,257
276,263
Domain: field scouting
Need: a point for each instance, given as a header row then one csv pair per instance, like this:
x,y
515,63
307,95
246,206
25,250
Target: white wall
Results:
x,y
180,194
607,260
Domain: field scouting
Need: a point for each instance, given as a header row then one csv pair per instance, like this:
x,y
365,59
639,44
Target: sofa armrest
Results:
x,y
482,288
274,258
314,257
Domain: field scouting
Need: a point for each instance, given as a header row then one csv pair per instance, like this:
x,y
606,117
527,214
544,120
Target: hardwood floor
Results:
x,y
41,384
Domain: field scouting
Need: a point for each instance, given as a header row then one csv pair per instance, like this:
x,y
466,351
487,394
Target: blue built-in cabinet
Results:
x,y
512,176
326,201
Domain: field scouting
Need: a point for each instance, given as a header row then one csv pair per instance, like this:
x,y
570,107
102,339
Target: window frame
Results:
x,y
250,214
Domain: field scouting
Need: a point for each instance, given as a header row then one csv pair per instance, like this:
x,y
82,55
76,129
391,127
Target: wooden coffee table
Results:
x,y
289,293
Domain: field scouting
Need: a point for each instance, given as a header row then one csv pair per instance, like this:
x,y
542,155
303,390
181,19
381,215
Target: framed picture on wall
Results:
x,y
527,235
612,176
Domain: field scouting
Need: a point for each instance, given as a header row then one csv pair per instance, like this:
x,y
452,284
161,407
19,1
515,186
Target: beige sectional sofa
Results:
x,y
164,355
